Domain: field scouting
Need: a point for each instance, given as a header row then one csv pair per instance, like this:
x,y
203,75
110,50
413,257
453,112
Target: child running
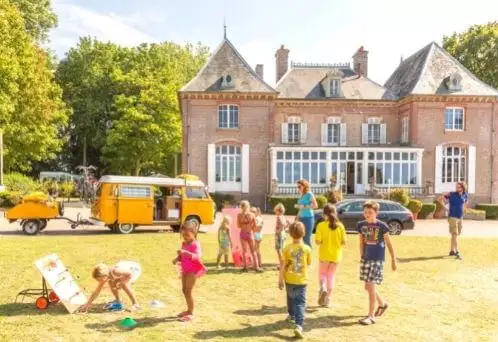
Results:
x,y
258,233
280,226
373,236
120,276
331,237
224,240
192,268
246,221
294,272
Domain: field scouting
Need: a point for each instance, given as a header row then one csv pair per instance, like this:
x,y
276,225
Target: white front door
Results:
x,y
359,182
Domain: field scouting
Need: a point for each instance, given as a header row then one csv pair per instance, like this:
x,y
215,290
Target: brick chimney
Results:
x,y
282,62
360,62
259,70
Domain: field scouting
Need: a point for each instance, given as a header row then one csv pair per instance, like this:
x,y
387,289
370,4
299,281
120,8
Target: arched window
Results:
x,y
454,164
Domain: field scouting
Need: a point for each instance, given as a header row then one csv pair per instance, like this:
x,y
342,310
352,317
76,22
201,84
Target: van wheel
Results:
x,y
31,227
195,220
176,228
125,228
43,225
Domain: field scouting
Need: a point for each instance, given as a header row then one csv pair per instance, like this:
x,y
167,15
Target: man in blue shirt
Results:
x,y
456,201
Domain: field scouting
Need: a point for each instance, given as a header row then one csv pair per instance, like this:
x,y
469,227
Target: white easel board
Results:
x,y
61,282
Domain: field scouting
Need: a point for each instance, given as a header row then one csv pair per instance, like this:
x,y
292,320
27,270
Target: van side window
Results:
x,y
197,193
135,191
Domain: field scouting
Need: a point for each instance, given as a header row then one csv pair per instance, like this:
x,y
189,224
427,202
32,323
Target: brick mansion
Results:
x,y
432,124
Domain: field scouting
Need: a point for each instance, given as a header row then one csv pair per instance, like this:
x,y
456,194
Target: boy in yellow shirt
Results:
x,y
331,236
296,260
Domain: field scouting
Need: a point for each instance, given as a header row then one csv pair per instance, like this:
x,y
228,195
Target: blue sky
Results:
x,y
327,31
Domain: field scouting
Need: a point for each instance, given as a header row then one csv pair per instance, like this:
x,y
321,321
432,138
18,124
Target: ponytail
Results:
x,y
330,212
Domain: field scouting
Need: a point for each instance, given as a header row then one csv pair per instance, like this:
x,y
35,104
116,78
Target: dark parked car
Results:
x,y
350,212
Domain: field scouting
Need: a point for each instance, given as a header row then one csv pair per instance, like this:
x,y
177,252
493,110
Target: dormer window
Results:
x,y
454,82
332,83
227,82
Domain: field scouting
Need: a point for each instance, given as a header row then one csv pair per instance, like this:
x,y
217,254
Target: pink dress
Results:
x,y
192,263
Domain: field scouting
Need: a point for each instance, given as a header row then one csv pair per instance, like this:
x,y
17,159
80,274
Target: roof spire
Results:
x,y
224,28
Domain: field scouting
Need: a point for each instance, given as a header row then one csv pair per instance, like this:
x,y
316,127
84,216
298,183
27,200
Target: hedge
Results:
x,y
221,199
414,206
399,195
16,182
426,210
288,202
490,209
9,199
321,201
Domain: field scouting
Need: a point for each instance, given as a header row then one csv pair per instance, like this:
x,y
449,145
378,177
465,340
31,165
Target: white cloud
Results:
x,y
76,21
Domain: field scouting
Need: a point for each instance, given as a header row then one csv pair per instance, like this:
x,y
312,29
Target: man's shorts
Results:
x,y
455,225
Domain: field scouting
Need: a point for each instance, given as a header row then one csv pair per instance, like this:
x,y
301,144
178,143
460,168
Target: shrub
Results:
x,y
16,182
334,196
321,201
414,206
400,196
490,209
288,202
427,210
222,200
50,187
67,189
8,199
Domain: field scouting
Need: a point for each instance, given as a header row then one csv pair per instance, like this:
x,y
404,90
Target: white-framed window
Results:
x,y
454,119
393,168
454,164
335,85
404,129
228,116
294,132
374,131
293,166
228,159
333,133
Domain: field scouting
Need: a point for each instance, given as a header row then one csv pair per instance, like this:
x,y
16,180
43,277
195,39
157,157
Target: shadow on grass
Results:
x,y
22,309
272,329
145,322
91,231
407,260
270,310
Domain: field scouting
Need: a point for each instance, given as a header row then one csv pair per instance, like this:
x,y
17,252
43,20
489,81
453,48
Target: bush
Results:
x,y
426,210
414,206
334,196
400,196
440,209
490,209
50,187
9,199
321,201
16,182
222,200
288,202
67,189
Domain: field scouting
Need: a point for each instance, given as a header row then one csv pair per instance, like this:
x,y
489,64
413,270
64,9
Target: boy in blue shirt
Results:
x,y
374,237
456,201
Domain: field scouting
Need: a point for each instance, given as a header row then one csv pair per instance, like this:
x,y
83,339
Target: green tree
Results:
x,y
39,18
477,50
32,114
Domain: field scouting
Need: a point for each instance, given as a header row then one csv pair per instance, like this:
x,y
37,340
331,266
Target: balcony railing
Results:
x,y
412,190
292,190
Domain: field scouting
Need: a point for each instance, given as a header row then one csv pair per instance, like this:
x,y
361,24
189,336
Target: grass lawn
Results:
x,y
432,297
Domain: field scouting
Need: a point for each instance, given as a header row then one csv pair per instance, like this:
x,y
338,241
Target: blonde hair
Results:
x,y
371,205
305,184
280,207
225,222
190,226
244,205
296,230
100,270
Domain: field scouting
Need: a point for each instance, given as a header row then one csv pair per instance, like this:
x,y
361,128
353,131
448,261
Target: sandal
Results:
x,y
186,318
182,314
367,321
381,309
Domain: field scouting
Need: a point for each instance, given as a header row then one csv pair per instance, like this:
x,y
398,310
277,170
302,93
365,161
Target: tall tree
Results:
x,y
32,113
39,18
477,50
124,102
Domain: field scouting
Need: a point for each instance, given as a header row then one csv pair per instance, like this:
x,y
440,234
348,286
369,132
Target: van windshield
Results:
x,y
197,193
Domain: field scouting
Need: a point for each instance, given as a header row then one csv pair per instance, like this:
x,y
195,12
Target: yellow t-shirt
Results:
x,y
330,241
297,258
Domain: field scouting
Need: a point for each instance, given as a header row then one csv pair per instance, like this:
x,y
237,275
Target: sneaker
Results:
x,y
108,305
458,256
298,332
291,320
326,302
452,253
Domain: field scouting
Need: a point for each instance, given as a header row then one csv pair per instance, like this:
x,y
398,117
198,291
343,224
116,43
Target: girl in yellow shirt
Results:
x,y
331,237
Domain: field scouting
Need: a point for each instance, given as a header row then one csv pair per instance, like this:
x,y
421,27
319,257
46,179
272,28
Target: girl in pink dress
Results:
x,y
189,257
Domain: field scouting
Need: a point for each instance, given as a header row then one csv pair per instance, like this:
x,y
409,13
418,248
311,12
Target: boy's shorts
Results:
x,y
372,271
455,225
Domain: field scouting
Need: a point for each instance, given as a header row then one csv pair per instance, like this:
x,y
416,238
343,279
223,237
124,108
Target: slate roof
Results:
x,y
226,60
305,83
426,71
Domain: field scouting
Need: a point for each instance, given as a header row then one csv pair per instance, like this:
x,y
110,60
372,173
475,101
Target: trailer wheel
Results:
x,y
125,228
31,227
43,224
42,303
